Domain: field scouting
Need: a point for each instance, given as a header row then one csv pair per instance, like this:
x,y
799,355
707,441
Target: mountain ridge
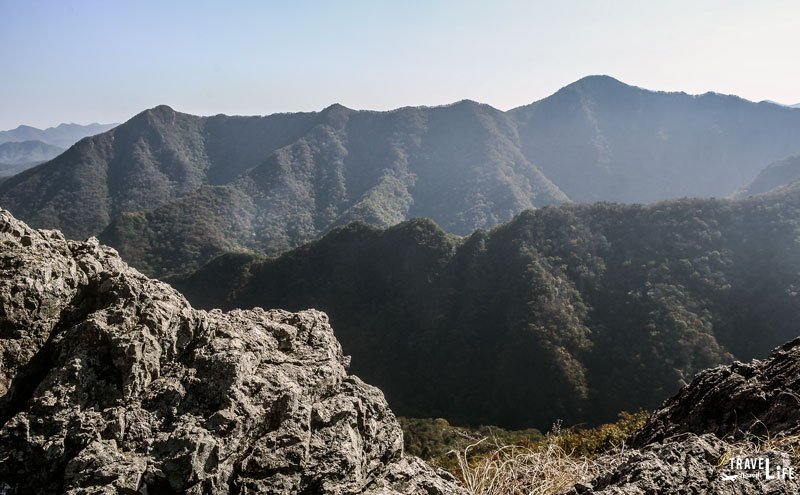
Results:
x,y
62,135
574,312
171,190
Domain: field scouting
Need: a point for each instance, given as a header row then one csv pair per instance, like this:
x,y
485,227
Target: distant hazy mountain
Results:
x,y
63,135
796,106
171,190
777,174
271,183
599,140
157,156
573,312
16,156
457,164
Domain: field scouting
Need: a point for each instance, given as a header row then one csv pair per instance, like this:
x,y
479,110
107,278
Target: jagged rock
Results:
x,y
761,398
684,464
686,445
111,383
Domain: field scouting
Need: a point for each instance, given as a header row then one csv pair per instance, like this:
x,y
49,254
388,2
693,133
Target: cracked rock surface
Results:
x,y
686,445
759,398
111,383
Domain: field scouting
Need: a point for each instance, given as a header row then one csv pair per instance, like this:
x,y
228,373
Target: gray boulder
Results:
x,y
111,383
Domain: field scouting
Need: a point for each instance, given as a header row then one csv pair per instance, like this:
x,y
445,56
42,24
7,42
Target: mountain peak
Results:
x,y
597,83
336,107
160,109
160,113
599,79
336,115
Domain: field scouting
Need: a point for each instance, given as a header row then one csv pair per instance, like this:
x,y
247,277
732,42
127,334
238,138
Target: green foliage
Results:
x,y
573,312
593,442
435,439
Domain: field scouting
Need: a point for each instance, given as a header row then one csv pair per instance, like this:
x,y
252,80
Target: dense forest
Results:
x,y
573,312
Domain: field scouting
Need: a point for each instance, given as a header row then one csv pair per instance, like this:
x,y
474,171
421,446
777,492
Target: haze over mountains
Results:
x,y
512,301
601,140
16,156
573,312
171,190
63,135
26,147
778,174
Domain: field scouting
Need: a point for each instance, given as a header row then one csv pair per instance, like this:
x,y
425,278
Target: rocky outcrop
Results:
x,y
688,464
742,411
111,383
761,398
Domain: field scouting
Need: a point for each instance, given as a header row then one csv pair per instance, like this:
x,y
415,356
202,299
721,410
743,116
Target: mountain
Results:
x,y
111,382
63,135
16,156
155,157
170,191
601,140
796,106
573,312
775,175
455,164
24,152
272,183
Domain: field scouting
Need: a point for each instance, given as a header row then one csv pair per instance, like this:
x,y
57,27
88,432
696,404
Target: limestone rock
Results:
x,y
111,383
687,444
760,398
683,464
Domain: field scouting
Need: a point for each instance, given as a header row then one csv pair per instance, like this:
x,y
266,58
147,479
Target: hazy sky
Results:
x,y
85,61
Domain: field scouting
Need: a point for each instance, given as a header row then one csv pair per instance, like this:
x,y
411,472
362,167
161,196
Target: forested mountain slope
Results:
x,y
458,164
778,174
170,190
573,312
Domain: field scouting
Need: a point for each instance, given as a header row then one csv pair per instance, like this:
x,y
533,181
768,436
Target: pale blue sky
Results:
x,y
85,61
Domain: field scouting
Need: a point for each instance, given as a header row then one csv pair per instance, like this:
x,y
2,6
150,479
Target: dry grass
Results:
x,y
542,469
751,444
565,458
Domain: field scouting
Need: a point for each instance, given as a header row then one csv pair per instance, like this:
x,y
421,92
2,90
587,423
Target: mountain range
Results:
x,y
16,156
63,135
25,147
570,312
170,191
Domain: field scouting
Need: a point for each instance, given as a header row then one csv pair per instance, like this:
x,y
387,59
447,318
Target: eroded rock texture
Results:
x,y
686,464
686,446
111,383
760,398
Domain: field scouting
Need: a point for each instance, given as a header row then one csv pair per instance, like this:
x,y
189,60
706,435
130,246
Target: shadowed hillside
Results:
x,y
599,139
573,312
